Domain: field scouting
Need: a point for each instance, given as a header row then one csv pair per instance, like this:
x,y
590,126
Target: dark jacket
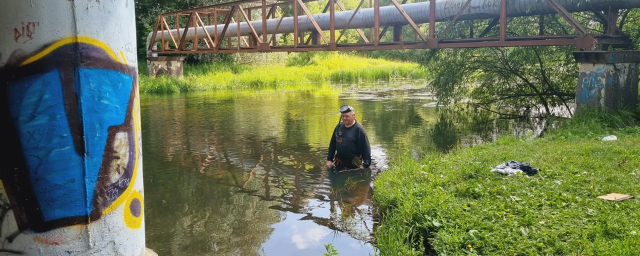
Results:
x,y
349,143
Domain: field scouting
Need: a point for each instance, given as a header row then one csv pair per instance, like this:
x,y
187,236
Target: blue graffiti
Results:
x,y
592,83
42,123
73,128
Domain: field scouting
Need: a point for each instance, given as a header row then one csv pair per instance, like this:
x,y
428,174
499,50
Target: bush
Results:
x,y
302,70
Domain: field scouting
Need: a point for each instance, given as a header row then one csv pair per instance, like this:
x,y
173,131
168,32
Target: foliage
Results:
x,y
146,14
303,59
520,81
413,55
452,204
632,26
327,67
331,251
512,81
147,11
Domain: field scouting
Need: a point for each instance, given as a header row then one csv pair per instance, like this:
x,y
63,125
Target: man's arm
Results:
x,y
363,143
332,146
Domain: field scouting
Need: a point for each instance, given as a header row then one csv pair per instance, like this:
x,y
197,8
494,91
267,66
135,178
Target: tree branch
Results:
x,y
623,18
532,87
546,79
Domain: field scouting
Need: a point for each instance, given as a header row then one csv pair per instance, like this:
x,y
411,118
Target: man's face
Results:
x,y
348,117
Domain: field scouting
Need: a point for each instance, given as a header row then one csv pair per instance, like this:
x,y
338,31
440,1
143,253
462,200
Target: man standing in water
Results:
x,y
351,142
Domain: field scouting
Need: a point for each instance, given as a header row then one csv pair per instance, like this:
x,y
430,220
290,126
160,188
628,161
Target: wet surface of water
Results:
x,y
243,174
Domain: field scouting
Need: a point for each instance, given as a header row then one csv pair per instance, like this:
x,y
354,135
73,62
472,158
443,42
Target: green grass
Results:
x,y
452,204
304,69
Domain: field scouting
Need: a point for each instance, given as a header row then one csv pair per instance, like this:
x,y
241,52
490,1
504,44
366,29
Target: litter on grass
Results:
x,y
615,197
513,167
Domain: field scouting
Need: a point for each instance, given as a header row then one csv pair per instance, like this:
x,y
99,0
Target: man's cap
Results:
x,y
346,108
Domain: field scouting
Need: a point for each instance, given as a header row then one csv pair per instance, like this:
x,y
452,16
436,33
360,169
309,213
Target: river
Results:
x,y
243,173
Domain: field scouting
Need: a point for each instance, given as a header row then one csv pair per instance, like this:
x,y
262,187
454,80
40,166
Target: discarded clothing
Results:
x,y
513,167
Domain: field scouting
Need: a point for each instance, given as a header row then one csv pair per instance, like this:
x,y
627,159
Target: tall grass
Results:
x,y
374,74
310,69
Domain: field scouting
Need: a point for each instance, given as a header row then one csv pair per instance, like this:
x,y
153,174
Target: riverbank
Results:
x,y
452,204
299,70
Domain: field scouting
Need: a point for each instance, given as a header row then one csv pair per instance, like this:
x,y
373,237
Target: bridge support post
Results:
x,y
315,38
165,65
253,41
397,33
607,79
71,169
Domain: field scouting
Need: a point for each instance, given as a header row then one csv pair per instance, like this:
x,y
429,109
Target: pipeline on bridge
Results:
x,y
260,35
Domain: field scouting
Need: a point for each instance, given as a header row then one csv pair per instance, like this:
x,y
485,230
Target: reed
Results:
x,y
302,69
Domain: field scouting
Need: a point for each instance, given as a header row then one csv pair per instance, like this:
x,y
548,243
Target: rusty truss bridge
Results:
x,y
289,26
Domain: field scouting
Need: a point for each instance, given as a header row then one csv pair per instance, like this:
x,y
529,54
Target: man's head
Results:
x,y
348,114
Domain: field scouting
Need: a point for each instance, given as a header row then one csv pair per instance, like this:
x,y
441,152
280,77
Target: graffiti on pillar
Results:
x,y
592,82
25,32
75,129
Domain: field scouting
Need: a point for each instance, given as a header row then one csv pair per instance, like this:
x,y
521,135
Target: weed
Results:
x,y
453,204
331,251
301,70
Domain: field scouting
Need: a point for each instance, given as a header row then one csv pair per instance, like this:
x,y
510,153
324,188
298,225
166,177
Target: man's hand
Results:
x,y
329,164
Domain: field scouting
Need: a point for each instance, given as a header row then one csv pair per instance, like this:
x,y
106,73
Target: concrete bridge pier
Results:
x,y
71,168
607,79
165,65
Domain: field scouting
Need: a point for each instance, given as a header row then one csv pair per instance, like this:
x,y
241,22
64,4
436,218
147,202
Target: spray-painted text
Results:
x,y
26,31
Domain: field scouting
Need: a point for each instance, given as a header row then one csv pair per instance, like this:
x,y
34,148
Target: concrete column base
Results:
x,y
607,79
164,65
149,252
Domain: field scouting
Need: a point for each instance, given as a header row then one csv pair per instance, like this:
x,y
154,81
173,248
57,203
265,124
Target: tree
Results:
x,y
148,10
521,81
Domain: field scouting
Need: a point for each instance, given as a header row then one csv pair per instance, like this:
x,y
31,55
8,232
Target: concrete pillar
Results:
x,y
72,164
607,79
165,65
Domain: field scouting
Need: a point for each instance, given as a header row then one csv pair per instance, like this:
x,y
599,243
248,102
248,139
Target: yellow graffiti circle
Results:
x,y
134,210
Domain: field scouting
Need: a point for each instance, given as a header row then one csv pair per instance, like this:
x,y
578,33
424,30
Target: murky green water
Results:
x,y
243,173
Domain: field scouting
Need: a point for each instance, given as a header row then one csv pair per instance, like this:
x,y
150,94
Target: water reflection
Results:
x,y
223,173
244,174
